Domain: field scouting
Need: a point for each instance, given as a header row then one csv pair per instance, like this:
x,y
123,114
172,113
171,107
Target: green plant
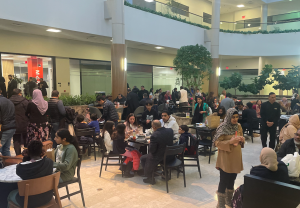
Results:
x,y
233,81
77,99
19,80
288,82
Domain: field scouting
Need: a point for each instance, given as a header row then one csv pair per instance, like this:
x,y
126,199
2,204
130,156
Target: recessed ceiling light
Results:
x,y
221,22
149,0
241,5
53,30
159,47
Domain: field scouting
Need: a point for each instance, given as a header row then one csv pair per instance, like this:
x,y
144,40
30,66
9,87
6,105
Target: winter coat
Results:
x,y
289,129
134,158
3,87
11,86
7,114
20,110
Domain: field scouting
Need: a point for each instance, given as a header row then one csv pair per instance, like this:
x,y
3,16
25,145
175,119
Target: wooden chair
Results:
x,y
33,187
74,180
8,160
87,133
47,145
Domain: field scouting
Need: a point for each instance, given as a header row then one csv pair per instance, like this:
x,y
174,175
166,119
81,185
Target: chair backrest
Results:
x,y
260,193
78,165
174,150
96,111
85,132
8,160
139,110
161,107
38,186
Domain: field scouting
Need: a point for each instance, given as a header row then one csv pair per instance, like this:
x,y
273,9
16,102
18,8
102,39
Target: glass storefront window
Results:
x,y
22,67
166,78
139,75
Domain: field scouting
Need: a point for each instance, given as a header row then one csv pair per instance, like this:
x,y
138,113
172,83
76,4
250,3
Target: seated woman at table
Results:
x,y
108,129
66,154
149,115
220,112
201,111
131,128
34,165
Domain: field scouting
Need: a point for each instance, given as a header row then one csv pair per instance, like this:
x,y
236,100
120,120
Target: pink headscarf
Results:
x,y
38,100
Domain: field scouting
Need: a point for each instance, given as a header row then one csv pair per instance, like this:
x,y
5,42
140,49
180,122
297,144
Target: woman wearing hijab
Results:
x,y
38,128
229,140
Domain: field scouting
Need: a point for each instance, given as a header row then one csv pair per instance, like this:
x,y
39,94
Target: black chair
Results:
x,y
74,180
109,156
253,125
177,163
161,108
205,142
193,158
87,133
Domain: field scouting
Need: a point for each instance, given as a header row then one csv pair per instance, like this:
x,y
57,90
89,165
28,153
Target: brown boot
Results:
x,y
228,197
221,200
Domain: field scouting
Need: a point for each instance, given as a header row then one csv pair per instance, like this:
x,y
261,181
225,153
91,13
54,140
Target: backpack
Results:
x,y
70,115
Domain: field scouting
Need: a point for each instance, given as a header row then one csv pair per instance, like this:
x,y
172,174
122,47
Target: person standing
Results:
x,y
201,111
21,104
3,87
175,95
38,127
132,101
29,87
228,102
270,114
109,110
223,95
142,92
12,84
42,86
144,100
229,140
183,101
57,112
7,124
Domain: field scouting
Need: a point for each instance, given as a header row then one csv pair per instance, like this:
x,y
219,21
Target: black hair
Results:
x,y
149,102
10,75
128,117
175,88
151,90
100,97
240,103
234,97
80,118
235,112
165,111
128,90
250,105
185,128
228,95
55,93
94,116
295,91
35,148
16,91
258,100
271,93
64,133
145,95
181,87
202,103
223,110
143,86
2,79
108,126
120,131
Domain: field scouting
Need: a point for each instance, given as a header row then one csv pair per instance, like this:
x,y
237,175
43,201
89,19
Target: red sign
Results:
x,y
227,67
283,69
35,68
243,17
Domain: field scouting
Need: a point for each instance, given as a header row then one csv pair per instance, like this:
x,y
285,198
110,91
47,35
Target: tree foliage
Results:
x,y
288,82
194,64
233,81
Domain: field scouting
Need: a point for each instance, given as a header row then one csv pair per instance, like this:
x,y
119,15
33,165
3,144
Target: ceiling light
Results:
x,y
53,30
5,55
241,5
149,0
159,47
221,22
125,64
160,67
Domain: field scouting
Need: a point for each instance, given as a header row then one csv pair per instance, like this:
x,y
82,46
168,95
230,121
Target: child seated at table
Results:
x,y
188,139
81,124
34,165
95,123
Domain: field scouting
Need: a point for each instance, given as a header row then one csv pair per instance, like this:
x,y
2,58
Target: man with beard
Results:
x,y
290,146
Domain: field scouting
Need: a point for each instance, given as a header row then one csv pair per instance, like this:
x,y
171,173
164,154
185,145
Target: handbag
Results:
x,y
213,121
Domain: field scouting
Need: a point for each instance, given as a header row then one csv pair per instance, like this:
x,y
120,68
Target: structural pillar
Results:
x,y
215,30
264,17
118,49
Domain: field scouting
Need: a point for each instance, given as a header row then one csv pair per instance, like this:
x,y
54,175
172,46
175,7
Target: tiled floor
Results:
x,y
111,190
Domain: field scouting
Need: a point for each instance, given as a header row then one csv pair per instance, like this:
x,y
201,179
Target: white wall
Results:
x,y
75,87
245,63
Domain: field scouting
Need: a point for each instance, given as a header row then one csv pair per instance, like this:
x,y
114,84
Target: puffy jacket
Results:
x,y
56,110
171,124
20,109
288,130
110,112
7,114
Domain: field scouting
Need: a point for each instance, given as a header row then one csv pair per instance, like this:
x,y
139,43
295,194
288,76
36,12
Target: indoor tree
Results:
x,y
288,82
233,81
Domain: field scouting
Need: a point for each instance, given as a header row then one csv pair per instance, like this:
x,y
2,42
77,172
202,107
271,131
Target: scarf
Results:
x,y
226,128
38,100
268,158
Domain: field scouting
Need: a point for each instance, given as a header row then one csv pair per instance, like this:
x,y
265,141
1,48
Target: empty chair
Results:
x,y
139,111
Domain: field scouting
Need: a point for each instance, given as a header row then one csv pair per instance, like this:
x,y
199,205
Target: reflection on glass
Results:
x,y
139,75
165,78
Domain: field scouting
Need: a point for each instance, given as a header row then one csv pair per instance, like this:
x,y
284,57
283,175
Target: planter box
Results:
x,y
184,121
80,109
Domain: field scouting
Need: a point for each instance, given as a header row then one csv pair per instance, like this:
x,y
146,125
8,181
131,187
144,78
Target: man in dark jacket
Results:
x,y
149,115
270,114
144,100
29,87
8,124
132,101
290,146
57,112
42,86
109,110
12,84
21,119
247,117
160,139
142,92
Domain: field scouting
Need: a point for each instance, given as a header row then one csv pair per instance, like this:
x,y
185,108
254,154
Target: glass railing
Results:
x,y
281,23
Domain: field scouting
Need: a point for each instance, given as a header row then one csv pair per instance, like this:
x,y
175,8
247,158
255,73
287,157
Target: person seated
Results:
x,y
132,129
220,112
81,124
257,108
290,146
119,135
188,139
289,129
34,165
240,107
108,129
66,154
168,95
248,115
94,123
284,104
149,115
120,99
159,140
144,100
169,121
201,111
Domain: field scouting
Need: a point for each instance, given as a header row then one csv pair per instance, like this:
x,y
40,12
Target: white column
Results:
x,y
118,23
264,16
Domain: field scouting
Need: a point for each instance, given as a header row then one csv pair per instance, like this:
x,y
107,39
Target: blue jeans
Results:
x,y
55,127
5,141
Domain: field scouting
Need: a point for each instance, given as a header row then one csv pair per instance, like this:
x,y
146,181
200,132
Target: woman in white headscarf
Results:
x,y
38,128
230,141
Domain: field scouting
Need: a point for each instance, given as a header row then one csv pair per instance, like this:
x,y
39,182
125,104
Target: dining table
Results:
x,y
141,140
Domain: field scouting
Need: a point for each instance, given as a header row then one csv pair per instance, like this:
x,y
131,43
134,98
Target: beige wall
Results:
x,y
63,75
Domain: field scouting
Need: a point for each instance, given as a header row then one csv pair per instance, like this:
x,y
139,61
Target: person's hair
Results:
x,y
234,97
100,97
35,148
80,118
295,91
10,75
151,90
120,131
203,95
128,90
41,79
2,79
202,103
128,117
55,93
108,126
64,133
94,116
185,128
249,104
271,93
156,123
134,86
181,87
229,95
258,100
143,86
240,103
211,95
149,102
223,110
175,88
145,95
16,91
235,112
165,111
